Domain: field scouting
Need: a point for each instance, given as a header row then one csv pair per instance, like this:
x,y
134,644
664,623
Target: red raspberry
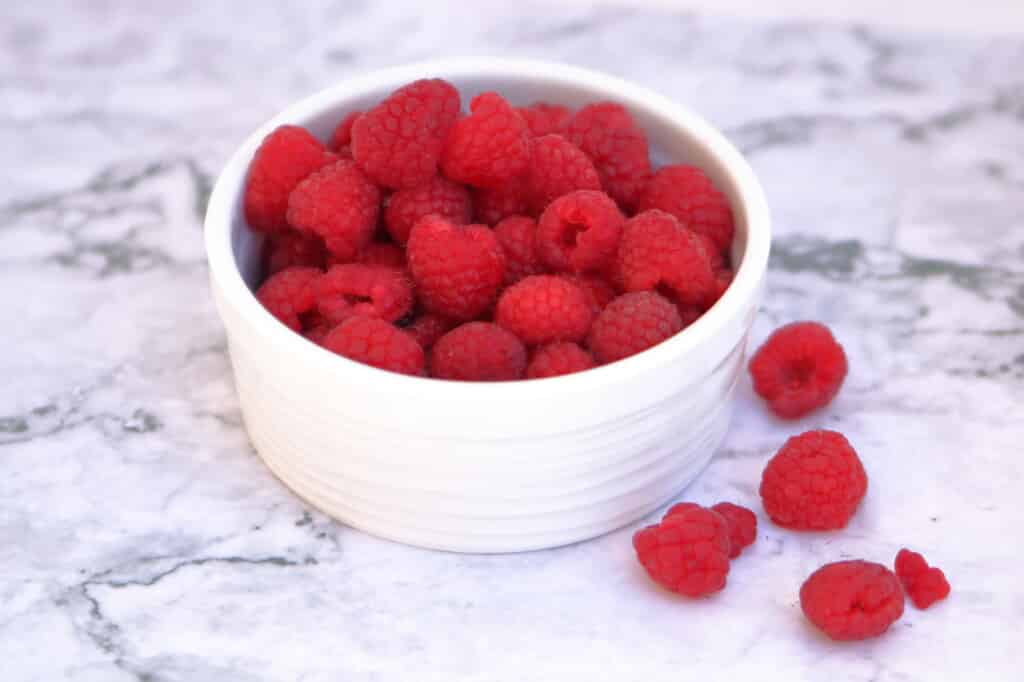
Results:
x,y
398,143
557,167
518,238
556,359
339,204
382,253
742,526
478,351
366,290
680,507
491,206
457,269
599,292
545,308
606,133
490,146
688,194
341,138
286,156
374,342
924,584
427,328
292,249
688,552
798,369
579,231
852,600
438,196
716,258
814,482
545,119
630,324
290,293
318,332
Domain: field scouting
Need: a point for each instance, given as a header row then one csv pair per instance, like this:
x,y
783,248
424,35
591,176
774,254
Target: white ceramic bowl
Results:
x,y
503,466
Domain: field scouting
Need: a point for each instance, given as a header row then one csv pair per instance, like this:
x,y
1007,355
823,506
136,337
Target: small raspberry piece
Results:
x,y
290,293
341,138
427,328
599,292
545,119
291,249
382,253
557,167
478,351
457,269
606,132
799,369
491,206
814,482
398,143
924,584
742,526
852,600
544,308
630,324
579,231
489,147
438,196
688,552
339,204
689,195
374,342
287,156
518,238
366,290
557,359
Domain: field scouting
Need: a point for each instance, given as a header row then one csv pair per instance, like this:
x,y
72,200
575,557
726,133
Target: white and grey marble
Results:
x,y
141,539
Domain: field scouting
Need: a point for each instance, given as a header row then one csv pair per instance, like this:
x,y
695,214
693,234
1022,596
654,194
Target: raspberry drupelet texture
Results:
x,y
382,253
438,196
742,526
557,359
341,138
689,195
491,206
478,351
367,290
545,119
339,204
545,308
852,600
630,324
287,156
599,292
375,342
398,143
518,238
427,328
606,132
290,249
490,146
579,232
799,369
924,584
680,507
557,167
289,294
687,553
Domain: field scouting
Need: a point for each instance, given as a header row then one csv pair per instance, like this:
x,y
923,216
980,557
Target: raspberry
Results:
x,y
814,482
377,343
383,254
291,249
688,552
630,324
606,133
545,308
318,332
367,290
716,259
341,138
852,600
545,119
557,167
924,584
427,328
457,269
478,351
679,507
658,254
398,143
518,238
438,196
286,157
491,206
339,204
599,292
489,147
798,369
742,526
579,231
556,359
290,293
688,194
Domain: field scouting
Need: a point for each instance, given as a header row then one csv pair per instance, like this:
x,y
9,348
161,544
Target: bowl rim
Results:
x,y
746,284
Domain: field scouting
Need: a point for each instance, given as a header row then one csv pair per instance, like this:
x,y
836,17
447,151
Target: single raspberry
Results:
x,y
339,204
606,132
688,194
287,156
852,600
544,308
545,119
367,290
656,253
290,249
630,324
427,328
341,138
924,584
382,253
579,231
518,238
375,342
814,482
556,359
688,552
398,143
490,146
438,196
491,206
599,292
478,351
742,526
290,293
557,167
799,369
457,269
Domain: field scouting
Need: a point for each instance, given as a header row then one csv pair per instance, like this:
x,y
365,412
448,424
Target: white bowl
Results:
x,y
497,467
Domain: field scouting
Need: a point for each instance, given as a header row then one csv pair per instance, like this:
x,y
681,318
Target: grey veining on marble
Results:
x,y
140,537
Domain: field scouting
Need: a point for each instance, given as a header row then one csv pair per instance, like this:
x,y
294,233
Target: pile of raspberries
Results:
x,y
505,243
815,482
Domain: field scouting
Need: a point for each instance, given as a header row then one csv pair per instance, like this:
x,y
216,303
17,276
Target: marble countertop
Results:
x,y
141,538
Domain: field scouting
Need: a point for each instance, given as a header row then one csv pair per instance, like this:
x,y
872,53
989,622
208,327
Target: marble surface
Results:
x,y
141,538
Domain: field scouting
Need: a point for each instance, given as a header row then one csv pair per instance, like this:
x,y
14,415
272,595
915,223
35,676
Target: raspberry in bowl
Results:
x,y
608,431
